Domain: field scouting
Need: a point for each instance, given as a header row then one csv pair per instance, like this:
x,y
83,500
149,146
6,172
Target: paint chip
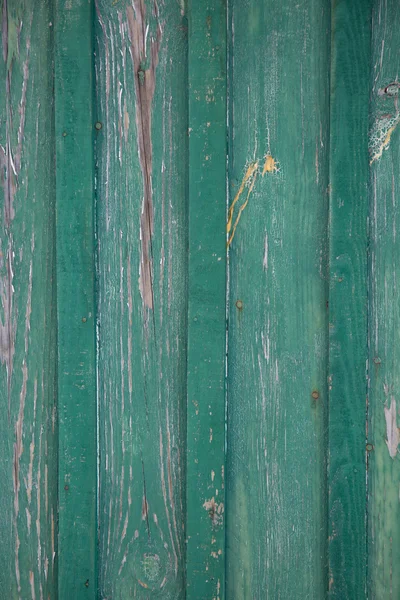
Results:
x,y
270,165
381,135
392,431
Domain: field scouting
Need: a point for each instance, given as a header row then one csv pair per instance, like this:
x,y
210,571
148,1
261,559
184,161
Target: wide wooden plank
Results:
x,y
141,155
205,563
349,173
74,129
384,309
277,346
28,432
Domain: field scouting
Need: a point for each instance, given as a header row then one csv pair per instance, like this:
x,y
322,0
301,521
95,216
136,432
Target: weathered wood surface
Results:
x,y
278,320
182,471
384,309
348,291
142,224
28,430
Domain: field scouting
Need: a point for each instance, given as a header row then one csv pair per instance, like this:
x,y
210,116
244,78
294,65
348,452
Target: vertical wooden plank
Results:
x,y
207,291
75,299
141,155
277,345
349,172
384,307
28,442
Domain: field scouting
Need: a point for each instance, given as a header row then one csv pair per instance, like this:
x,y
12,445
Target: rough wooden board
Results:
x,y
141,150
384,309
277,348
75,300
205,561
348,230
28,466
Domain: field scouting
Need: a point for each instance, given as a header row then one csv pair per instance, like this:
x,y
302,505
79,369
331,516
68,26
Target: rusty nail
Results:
x,y
239,304
84,319
66,488
377,360
369,447
315,395
64,134
98,125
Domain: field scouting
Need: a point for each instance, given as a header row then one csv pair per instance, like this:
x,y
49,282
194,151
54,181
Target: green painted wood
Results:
x,y
349,173
141,155
74,128
384,314
28,433
205,561
277,346
120,126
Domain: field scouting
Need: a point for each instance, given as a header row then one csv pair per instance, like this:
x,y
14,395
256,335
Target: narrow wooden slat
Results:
x,y
28,441
141,156
75,299
205,523
384,308
349,174
277,344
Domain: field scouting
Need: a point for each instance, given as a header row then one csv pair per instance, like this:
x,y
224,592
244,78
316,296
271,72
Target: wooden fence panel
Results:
x,y
141,154
278,320
384,308
348,295
28,424
77,422
205,531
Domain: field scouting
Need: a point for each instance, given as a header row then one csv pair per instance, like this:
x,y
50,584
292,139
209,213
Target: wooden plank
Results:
x,y
28,442
141,155
349,173
384,309
74,128
205,522
277,346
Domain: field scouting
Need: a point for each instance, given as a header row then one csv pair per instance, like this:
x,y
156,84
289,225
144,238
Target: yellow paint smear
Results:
x,y
250,176
270,165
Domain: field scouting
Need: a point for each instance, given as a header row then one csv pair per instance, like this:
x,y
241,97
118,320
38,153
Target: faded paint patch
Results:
x,y
215,511
10,167
392,431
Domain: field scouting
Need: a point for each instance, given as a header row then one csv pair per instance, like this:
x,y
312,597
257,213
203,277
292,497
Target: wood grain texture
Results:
x,y
277,347
205,561
384,308
141,154
28,435
348,291
77,423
